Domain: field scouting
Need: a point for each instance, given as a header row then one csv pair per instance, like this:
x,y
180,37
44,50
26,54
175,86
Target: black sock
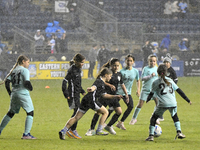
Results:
x,y
113,120
94,121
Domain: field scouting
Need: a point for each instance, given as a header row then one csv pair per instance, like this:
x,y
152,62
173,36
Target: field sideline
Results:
x,y
52,112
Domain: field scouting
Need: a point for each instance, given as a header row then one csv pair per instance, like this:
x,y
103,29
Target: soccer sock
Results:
x,y
151,130
113,120
100,127
94,121
28,124
65,129
4,122
178,126
136,112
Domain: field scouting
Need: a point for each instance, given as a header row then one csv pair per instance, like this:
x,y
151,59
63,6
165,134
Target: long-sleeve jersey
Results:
x,y
73,78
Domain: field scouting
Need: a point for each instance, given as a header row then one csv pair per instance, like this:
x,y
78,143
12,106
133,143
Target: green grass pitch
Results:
x,y
52,112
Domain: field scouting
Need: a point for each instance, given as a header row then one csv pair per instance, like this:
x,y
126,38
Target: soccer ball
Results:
x,y
157,131
63,58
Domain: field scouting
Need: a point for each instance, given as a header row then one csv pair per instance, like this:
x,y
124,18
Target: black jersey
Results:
x,y
73,78
172,74
115,80
100,90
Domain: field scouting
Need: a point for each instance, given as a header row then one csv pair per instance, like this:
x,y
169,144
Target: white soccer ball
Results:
x,y
157,131
63,58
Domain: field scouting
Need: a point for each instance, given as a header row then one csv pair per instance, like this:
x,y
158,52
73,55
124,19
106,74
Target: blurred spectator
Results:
x,y
165,43
100,4
168,8
184,45
147,50
49,30
39,39
52,43
155,49
57,29
17,49
103,55
63,44
92,57
183,8
117,53
175,9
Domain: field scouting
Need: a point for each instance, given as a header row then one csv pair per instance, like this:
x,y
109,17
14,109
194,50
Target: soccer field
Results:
x,y
52,112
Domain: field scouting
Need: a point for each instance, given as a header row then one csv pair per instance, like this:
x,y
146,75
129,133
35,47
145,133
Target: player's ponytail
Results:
x,y
103,72
19,62
162,72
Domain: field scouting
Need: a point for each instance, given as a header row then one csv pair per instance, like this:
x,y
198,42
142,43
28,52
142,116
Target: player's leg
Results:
x,y
177,123
104,115
70,122
136,112
129,105
154,117
118,111
27,105
6,120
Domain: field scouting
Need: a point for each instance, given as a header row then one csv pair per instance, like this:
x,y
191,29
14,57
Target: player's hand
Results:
x,y
190,103
68,97
127,99
89,89
113,88
118,96
153,74
83,94
138,93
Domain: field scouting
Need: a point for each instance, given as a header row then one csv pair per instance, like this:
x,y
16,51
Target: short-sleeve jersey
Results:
x,y
146,85
18,76
164,93
128,77
100,90
115,80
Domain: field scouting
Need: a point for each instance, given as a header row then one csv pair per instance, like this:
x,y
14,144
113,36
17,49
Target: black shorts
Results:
x,y
87,104
109,102
74,102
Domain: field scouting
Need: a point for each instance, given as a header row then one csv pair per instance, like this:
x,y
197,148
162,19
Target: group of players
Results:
x,y
109,87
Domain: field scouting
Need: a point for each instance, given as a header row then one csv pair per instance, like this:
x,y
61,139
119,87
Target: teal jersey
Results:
x,y
128,77
18,76
164,93
147,71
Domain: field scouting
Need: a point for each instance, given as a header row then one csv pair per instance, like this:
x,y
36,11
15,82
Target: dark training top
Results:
x,y
172,74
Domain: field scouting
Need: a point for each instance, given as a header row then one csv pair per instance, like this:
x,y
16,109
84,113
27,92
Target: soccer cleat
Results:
x,y
161,118
28,137
75,134
157,121
133,121
61,135
110,130
69,135
101,132
180,135
150,138
120,125
90,132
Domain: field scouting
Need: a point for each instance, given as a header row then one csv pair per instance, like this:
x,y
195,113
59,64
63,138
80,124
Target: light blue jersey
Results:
x,y
20,96
128,77
18,76
146,84
164,93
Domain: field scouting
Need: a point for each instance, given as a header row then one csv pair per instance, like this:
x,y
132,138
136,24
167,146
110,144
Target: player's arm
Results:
x,y
109,96
64,88
7,85
145,78
125,92
28,85
112,87
91,89
182,94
